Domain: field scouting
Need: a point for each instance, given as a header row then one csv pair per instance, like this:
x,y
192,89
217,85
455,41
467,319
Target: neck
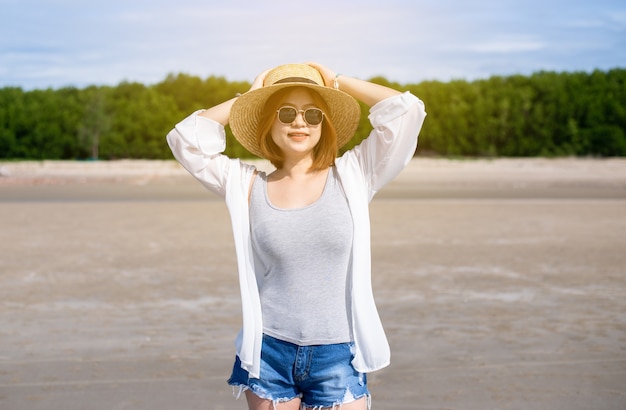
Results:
x,y
296,167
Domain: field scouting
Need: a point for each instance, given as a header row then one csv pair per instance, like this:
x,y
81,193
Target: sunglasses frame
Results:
x,y
303,112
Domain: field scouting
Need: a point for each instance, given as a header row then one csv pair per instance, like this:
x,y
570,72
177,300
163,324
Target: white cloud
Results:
x,y
504,46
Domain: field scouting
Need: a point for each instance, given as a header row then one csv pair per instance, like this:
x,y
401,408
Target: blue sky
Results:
x,y
60,43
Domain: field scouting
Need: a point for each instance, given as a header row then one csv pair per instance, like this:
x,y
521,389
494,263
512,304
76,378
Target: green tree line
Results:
x,y
544,114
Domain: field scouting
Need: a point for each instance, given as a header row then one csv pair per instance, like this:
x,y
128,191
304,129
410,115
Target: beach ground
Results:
x,y
501,285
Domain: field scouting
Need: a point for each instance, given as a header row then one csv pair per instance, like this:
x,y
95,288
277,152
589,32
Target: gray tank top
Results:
x,y
302,257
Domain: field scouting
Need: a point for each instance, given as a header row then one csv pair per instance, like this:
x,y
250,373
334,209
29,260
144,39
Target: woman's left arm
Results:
x,y
365,91
396,118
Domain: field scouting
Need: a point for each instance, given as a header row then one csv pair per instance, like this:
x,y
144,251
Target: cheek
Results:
x,y
276,131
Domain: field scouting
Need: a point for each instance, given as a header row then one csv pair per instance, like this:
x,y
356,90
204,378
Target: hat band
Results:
x,y
295,80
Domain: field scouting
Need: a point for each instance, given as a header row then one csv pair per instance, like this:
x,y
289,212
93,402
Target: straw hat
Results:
x,y
344,110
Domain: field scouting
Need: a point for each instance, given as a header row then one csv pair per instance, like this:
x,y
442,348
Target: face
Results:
x,y
296,139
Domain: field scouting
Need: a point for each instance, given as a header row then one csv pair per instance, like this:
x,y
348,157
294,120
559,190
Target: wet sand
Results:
x,y
501,285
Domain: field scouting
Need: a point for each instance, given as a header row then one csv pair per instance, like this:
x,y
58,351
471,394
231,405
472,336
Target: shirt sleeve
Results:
x,y
198,143
396,123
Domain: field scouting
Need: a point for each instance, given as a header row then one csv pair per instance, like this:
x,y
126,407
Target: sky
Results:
x,y
59,43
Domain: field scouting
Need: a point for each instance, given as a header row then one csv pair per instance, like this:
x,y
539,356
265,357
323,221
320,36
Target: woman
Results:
x,y
311,330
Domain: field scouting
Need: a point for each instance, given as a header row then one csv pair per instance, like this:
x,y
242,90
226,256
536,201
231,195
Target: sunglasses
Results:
x,y
312,116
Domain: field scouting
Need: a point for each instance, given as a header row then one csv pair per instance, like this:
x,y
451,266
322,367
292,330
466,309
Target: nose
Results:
x,y
299,120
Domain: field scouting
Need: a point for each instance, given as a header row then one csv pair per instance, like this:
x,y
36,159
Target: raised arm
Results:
x,y
396,118
221,112
364,91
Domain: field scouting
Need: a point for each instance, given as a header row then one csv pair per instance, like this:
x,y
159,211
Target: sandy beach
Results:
x,y
501,284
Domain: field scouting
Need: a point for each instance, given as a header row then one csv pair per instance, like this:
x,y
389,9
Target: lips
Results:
x,y
297,135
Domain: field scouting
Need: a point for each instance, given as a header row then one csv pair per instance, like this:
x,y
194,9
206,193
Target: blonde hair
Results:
x,y
325,151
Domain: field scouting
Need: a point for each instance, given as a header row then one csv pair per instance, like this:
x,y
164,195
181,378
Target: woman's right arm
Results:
x,y
197,143
221,112
199,140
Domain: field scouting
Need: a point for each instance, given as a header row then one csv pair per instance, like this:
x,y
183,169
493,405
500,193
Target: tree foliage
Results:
x,y
545,114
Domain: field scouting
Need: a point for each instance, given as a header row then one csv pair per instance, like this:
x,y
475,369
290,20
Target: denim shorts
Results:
x,y
320,375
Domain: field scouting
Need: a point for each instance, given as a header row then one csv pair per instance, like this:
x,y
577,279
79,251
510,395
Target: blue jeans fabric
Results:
x,y
321,375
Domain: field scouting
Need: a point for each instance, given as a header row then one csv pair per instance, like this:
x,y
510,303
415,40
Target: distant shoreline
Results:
x,y
423,178
498,168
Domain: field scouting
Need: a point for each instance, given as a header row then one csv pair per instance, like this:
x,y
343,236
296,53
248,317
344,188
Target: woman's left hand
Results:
x,y
365,91
327,74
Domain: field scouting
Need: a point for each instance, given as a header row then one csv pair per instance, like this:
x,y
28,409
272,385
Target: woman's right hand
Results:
x,y
258,81
221,112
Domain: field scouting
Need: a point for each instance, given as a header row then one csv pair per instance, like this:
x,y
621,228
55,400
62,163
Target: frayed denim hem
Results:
x,y
347,399
239,389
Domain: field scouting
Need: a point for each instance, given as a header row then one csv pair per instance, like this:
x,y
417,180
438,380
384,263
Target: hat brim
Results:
x,y
343,111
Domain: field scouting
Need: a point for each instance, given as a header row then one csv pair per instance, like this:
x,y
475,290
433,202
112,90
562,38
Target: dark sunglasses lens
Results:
x,y
313,116
286,115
